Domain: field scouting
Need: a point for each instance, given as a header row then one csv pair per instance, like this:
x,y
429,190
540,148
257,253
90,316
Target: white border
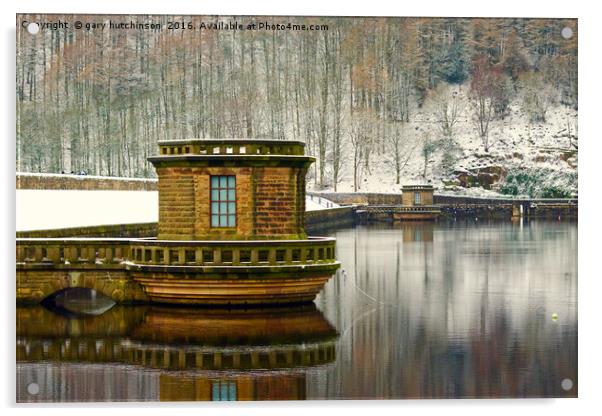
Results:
x,y
590,288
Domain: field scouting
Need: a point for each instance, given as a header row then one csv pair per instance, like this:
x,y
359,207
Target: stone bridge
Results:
x,y
47,266
118,268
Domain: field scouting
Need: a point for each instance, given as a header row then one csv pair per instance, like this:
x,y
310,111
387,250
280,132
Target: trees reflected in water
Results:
x,y
450,310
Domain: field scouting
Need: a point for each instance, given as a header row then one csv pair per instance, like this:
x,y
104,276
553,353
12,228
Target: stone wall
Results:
x,y
82,182
278,203
502,208
244,204
269,203
140,230
184,204
462,206
35,284
553,211
371,198
176,203
439,199
477,211
324,219
426,197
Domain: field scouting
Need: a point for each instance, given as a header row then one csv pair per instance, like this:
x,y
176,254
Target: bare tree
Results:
x,y
428,148
538,95
395,140
323,108
401,148
446,109
337,112
360,136
481,98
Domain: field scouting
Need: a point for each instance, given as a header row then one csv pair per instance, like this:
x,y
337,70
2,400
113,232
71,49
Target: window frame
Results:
x,y
219,201
224,391
417,198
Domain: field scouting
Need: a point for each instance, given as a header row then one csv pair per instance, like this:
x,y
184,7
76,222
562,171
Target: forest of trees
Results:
x,y
98,101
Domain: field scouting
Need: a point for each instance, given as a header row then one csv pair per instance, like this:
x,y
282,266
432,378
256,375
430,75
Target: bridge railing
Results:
x,y
445,199
322,201
398,208
71,251
230,147
317,250
91,251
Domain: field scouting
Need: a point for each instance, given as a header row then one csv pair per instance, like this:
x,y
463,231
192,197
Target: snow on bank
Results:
x,y
52,209
516,145
316,203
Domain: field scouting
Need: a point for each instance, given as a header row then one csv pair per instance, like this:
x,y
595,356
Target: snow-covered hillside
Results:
x,y
545,152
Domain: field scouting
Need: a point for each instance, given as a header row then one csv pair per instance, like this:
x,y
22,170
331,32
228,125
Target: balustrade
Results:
x,y
316,250
231,147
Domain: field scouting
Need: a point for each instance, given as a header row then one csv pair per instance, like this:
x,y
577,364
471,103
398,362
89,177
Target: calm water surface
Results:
x,y
418,310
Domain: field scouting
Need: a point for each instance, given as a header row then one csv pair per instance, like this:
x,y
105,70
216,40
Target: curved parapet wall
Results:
x,y
190,288
185,272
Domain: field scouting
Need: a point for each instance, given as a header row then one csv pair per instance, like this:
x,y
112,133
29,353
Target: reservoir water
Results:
x,y
458,309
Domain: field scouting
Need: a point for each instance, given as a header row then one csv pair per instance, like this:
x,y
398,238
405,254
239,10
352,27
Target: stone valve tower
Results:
x,y
231,230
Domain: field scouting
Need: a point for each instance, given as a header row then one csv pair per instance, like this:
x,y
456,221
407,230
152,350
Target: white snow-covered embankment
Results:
x,y
52,209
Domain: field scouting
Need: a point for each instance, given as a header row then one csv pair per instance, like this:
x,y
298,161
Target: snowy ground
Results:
x,y
315,203
45,209
51,209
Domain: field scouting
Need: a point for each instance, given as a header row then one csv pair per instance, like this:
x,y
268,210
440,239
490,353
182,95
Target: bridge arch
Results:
x,y
37,285
74,301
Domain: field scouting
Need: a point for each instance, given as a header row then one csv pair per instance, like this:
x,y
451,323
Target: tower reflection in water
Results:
x,y
171,354
449,310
